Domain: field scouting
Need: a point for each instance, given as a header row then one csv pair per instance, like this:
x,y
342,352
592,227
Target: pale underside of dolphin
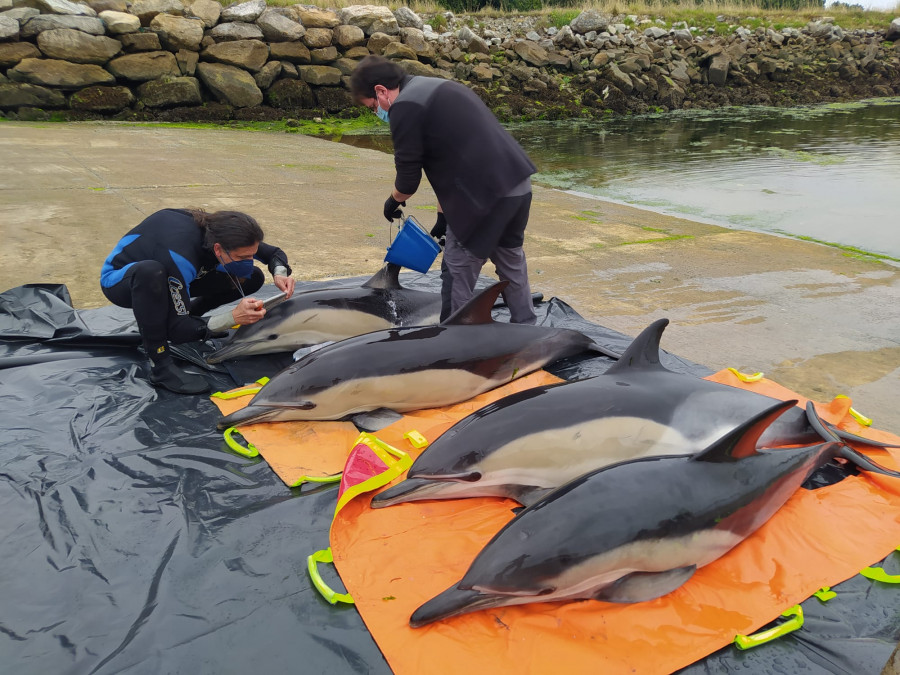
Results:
x,y
331,314
637,530
411,368
528,443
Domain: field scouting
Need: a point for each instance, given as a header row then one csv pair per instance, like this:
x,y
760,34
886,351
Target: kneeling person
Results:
x,y
176,265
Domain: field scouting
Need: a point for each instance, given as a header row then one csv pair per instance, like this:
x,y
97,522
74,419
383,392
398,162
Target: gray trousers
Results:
x,y
460,269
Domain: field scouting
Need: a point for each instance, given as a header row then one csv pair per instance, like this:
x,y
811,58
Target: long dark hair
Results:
x,y
231,229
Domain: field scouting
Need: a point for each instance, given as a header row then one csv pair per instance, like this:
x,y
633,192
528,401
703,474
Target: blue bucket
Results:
x,y
413,247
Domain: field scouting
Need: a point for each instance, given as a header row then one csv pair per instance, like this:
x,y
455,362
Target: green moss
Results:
x,y
849,251
674,237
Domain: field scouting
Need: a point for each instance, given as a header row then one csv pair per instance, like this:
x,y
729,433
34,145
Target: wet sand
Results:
x,y
808,316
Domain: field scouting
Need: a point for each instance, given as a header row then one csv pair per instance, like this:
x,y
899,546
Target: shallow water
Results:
x,y
828,172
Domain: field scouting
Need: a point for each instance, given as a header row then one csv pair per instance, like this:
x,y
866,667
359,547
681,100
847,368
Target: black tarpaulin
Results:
x,y
134,541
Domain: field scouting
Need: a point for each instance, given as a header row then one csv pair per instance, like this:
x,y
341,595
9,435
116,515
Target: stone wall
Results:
x,y
168,59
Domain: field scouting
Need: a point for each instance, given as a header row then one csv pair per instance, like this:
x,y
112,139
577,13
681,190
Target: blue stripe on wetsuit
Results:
x,y
110,275
188,271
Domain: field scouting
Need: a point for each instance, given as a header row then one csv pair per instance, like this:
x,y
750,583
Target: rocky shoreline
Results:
x,y
170,60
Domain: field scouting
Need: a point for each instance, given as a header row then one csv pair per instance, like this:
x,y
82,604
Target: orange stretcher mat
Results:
x,y
392,560
314,450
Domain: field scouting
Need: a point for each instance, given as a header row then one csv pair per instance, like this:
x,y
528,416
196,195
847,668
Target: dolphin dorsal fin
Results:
x,y
643,352
741,441
478,309
386,278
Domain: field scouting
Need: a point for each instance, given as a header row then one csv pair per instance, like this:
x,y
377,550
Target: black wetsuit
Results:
x,y
160,265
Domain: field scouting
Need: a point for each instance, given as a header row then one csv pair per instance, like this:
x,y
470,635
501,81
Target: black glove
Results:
x,y
440,227
392,208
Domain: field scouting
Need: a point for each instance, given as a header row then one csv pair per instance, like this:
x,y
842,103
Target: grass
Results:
x,y
702,14
849,251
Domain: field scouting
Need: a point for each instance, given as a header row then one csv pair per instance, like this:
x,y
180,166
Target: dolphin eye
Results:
x,y
274,336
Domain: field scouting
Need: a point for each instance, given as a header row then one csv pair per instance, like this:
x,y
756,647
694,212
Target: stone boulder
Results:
x,y
100,6
320,75
655,33
236,30
419,68
293,52
333,99
64,7
247,54
379,41
314,17
229,84
415,40
144,66
589,20
73,45
177,32
140,42
208,11
346,37
316,38
13,52
170,92
9,29
371,18
290,94
718,69
18,94
244,11
406,18
56,73
145,10
278,28
324,55
471,42
532,53
398,50
893,31
42,22
102,99
118,23
267,74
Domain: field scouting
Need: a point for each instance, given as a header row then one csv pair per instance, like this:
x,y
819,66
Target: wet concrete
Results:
x,y
808,316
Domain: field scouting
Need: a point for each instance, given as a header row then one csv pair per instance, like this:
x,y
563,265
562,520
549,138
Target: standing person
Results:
x,y
175,254
480,175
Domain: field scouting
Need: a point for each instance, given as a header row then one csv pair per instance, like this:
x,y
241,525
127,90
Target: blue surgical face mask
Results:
x,y
382,114
238,268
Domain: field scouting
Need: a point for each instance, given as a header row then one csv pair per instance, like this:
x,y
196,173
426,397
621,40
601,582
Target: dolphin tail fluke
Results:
x,y
643,352
452,602
405,491
248,415
847,436
864,463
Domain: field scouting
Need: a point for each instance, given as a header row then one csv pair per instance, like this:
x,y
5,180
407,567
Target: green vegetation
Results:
x,y
849,251
659,240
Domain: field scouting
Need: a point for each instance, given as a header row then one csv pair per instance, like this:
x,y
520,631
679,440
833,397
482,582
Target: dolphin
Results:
x,y
411,368
637,530
528,443
332,314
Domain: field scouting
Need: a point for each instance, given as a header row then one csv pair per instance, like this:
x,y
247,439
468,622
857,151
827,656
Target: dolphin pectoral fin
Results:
x,y
600,349
375,420
642,586
452,602
742,441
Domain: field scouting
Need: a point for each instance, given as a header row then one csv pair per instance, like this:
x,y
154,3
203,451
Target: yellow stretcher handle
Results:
x,y
243,391
249,451
743,377
317,479
326,591
878,574
750,641
825,594
858,416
